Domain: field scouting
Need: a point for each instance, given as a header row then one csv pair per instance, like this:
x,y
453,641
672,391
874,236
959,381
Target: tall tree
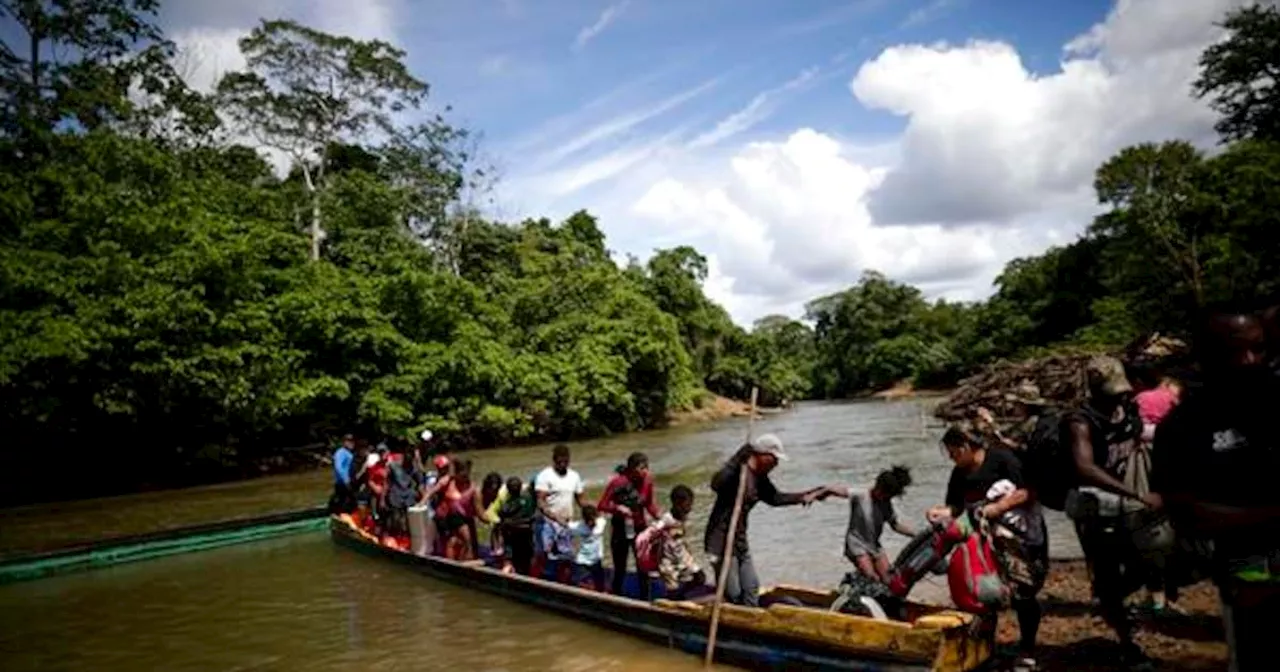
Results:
x,y
73,65
306,91
1241,74
1152,190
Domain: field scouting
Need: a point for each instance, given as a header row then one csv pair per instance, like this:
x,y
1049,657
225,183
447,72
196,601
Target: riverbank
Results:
x,y
905,389
1074,639
714,407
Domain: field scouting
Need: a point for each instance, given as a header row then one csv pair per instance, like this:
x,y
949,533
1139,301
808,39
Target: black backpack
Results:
x,y
1046,458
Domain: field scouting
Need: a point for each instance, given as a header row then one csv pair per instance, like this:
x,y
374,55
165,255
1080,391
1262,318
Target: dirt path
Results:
x,y
1074,639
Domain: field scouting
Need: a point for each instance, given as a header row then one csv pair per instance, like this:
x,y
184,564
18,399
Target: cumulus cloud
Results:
x,y
989,141
995,162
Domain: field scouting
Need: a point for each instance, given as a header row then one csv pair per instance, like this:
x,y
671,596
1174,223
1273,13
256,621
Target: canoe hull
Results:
x,y
152,545
751,647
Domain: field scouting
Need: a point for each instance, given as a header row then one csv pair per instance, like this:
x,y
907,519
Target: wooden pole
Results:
x,y
730,538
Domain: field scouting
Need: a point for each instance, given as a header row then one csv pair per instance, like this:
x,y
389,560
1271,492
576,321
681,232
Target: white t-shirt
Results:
x,y
561,491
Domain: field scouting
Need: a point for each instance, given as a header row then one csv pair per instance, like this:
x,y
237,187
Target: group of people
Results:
x,y
544,528
1160,481
1166,481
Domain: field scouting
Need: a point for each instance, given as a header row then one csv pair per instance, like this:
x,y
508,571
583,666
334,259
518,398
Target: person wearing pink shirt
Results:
x,y
627,498
1155,403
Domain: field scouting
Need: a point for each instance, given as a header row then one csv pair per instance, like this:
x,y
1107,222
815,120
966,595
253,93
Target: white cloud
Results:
x,y
755,111
987,140
623,123
930,11
606,19
995,162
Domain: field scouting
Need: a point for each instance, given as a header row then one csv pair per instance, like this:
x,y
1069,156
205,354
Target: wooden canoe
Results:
x,y
780,636
136,547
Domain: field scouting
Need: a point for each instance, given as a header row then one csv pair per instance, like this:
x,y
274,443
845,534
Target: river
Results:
x,y
301,601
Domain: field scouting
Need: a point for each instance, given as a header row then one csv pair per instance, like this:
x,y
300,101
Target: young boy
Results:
x,y
677,567
868,513
589,561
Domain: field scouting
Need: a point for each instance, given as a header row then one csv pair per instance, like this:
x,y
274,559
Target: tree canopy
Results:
x,y
164,289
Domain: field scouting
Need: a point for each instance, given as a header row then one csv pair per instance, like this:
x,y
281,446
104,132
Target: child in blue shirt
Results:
x,y
589,561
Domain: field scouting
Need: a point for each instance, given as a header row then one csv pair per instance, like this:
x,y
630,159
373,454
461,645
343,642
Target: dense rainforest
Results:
x,y
190,282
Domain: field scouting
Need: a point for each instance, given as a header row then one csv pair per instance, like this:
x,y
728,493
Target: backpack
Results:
x,y
973,575
926,553
1046,457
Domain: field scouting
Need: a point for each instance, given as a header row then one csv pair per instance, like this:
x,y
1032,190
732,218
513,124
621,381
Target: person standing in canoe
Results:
x,y
759,457
557,489
627,498
343,499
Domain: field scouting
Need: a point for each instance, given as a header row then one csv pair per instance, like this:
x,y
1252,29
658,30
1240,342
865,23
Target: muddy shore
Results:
x,y
1073,638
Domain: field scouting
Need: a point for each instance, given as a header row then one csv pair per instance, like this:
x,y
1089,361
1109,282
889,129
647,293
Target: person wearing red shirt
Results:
x,y
627,498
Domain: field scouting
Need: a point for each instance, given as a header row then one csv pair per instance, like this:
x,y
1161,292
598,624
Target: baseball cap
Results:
x,y
1106,374
441,462
426,435
769,444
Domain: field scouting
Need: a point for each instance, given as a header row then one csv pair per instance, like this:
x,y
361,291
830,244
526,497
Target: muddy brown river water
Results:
x,y
302,603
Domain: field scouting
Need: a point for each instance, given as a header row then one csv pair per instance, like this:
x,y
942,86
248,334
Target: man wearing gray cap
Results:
x,y
758,457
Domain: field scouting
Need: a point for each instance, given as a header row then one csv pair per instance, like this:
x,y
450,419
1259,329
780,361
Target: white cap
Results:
x,y
371,460
769,444
426,435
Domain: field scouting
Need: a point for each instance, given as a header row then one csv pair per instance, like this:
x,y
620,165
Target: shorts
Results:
x,y
552,540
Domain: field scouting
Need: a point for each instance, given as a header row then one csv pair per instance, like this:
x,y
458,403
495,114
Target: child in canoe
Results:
x,y
662,547
589,560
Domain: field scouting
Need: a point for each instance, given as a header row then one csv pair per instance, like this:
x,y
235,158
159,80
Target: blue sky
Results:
x,y
510,65
796,144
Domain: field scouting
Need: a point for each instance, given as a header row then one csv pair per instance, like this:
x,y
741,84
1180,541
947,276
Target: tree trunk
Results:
x,y
316,233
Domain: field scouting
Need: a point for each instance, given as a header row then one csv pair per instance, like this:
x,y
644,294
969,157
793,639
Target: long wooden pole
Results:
x,y
730,538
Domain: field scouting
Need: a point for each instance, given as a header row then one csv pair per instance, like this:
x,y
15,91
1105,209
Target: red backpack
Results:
x,y
974,577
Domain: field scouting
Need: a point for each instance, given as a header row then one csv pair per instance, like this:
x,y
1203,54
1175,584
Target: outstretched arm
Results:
x,y
769,494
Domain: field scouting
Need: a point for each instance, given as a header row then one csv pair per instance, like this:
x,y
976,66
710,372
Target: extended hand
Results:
x,y
938,514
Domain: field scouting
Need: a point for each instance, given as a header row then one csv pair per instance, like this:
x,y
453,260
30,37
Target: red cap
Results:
x,y
441,462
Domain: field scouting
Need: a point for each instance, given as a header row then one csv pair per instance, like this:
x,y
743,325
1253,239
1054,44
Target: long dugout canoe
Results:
x,y
134,548
801,634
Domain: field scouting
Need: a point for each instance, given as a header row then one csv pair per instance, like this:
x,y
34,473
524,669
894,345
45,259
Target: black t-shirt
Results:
x,y
1217,449
725,484
966,488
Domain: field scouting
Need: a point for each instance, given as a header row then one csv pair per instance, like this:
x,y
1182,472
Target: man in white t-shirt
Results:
x,y
557,488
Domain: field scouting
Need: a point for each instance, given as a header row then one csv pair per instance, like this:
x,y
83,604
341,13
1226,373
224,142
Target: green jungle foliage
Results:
x,y
165,291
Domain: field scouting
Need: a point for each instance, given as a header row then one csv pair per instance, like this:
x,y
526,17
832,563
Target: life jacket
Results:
x,y
973,576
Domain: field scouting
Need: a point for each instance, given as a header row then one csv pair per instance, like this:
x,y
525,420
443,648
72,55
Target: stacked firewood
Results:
x,y
1017,393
